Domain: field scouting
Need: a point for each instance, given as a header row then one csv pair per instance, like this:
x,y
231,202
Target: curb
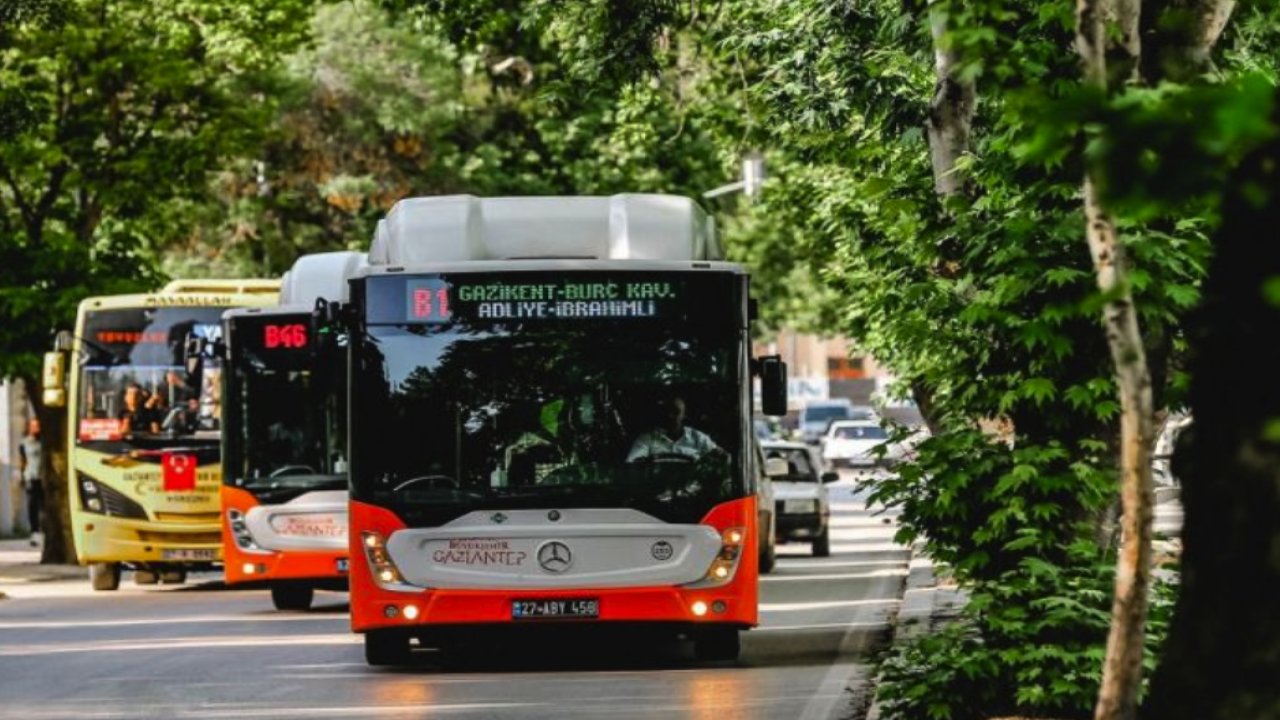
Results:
x,y
925,602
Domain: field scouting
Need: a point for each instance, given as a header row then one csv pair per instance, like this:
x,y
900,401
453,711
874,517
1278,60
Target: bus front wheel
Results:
x,y
717,644
292,597
386,647
105,576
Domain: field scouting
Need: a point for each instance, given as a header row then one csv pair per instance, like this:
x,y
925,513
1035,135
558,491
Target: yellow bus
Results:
x,y
143,433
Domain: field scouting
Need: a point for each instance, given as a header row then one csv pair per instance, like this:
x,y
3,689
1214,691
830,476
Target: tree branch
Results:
x,y
24,208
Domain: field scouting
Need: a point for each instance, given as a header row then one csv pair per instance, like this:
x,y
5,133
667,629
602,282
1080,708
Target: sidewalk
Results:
x,y
929,600
20,563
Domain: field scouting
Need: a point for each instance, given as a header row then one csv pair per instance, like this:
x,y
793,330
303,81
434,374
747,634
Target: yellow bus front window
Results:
x,y
133,384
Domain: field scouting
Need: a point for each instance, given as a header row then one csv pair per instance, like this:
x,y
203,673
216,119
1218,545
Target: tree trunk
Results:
x,y
948,128
950,112
923,397
1179,35
1221,660
1122,666
55,518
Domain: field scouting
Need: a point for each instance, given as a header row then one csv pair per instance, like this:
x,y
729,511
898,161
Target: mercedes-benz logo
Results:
x,y
555,557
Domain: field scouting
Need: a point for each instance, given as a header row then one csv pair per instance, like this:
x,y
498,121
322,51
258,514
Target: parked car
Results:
x,y
817,416
850,443
803,509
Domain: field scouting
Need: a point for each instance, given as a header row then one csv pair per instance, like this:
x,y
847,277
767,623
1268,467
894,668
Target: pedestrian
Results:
x,y
31,466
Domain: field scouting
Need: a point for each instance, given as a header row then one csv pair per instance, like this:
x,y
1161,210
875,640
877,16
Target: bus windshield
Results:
x,y
286,412
578,404
134,388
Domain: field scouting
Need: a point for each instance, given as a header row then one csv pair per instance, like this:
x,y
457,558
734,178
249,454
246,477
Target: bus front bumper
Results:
x,y
421,611
100,538
242,567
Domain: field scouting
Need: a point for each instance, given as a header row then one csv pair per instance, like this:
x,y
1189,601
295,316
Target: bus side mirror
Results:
x,y
53,379
193,353
773,385
63,341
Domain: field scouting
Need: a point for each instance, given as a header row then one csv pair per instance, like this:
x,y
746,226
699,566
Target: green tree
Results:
x,y
117,110
383,106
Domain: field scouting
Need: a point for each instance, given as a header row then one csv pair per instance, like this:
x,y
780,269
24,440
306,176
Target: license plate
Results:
x,y
342,564
799,507
559,608
189,554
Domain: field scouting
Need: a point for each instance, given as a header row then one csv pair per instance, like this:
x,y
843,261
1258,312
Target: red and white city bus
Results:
x,y
511,363
284,490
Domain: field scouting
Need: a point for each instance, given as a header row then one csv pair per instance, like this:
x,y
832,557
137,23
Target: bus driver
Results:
x,y
672,436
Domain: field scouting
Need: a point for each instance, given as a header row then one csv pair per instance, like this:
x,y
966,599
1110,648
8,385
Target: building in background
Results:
x,y
13,418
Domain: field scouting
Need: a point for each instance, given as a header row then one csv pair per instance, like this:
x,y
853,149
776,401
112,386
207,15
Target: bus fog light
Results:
x,y
391,611
718,606
410,612
248,568
699,608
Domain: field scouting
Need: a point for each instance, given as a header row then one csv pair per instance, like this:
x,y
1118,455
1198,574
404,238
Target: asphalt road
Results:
x,y
202,651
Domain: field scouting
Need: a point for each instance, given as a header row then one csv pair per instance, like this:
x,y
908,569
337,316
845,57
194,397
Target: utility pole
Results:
x,y
751,182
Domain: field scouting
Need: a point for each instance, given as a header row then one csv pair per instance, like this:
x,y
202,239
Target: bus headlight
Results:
x,y
240,532
97,497
725,564
384,570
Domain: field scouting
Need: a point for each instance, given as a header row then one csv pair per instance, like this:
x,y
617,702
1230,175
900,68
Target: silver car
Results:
x,y
803,508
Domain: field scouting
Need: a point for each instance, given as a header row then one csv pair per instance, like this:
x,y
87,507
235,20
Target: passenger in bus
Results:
x,y
136,417
177,390
183,419
672,437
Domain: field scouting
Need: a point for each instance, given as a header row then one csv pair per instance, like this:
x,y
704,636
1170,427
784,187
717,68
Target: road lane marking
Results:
x,y
825,604
886,572
180,644
823,626
192,620
240,711
825,564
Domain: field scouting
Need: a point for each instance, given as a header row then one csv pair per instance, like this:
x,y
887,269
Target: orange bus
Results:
x,y
551,406
284,490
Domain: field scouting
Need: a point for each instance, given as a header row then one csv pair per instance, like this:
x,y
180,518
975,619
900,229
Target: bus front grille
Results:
x,y
192,518
176,538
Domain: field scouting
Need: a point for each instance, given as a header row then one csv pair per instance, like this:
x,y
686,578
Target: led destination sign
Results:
x,y
434,300
286,337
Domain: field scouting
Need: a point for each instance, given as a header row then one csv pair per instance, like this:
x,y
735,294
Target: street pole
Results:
x,y
751,182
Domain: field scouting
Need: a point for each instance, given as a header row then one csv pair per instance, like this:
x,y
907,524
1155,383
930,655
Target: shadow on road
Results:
x,y
595,649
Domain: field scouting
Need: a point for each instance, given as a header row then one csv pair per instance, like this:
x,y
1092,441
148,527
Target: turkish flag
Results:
x,y
179,472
